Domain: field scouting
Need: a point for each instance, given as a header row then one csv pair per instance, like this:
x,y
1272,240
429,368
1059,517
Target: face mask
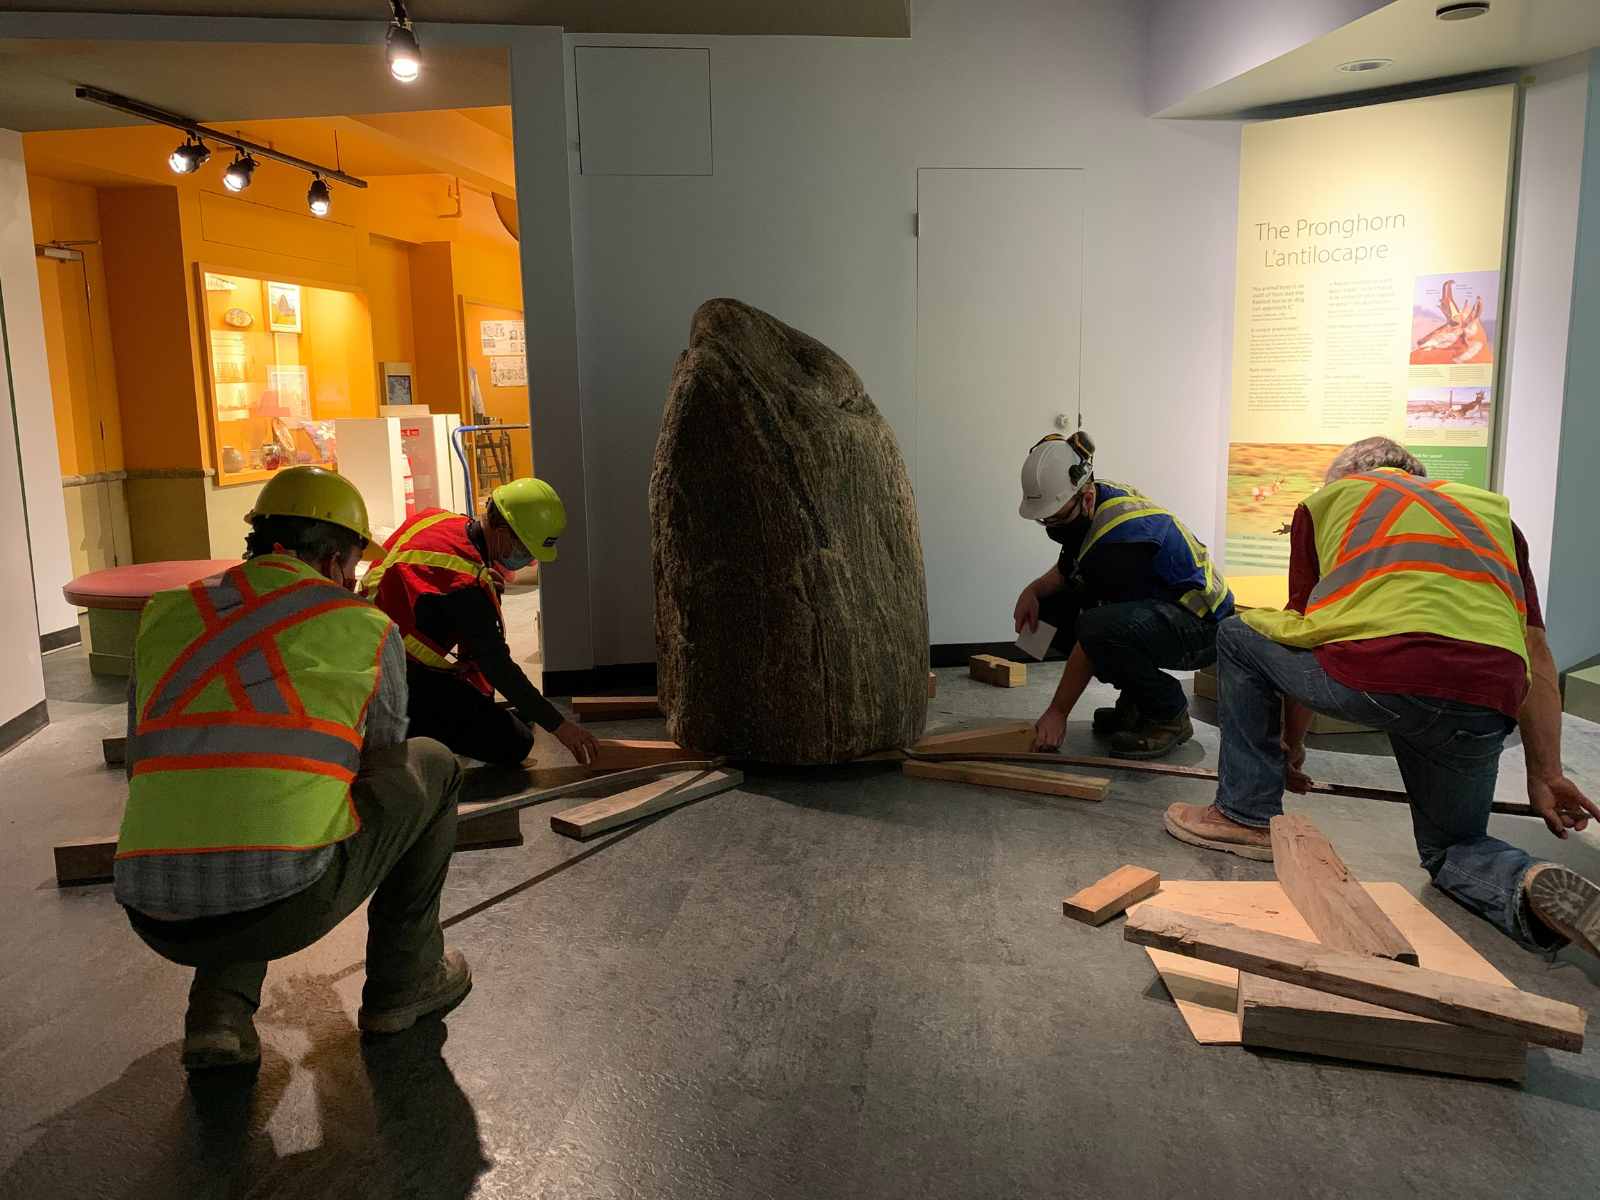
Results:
x,y
515,562
1070,533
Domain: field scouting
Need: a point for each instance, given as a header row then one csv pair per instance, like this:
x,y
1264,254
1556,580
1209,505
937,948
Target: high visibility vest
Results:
x,y
1124,514
429,555
1403,554
252,686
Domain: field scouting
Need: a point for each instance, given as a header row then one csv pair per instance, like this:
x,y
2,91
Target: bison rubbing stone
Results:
x,y
791,610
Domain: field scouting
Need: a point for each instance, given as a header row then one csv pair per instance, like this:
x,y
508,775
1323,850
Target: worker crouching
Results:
x,y
439,582
271,786
1132,596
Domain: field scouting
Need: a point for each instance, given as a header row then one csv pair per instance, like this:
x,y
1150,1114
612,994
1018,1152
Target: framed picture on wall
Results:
x,y
283,307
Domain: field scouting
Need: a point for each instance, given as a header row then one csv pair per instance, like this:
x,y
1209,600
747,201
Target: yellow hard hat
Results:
x,y
535,514
313,492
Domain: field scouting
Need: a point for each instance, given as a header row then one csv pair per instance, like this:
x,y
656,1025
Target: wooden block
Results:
x,y
1339,910
115,750
616,755
1000,672
558,776
478,833
1281,1016
1099,902
933,685
668,792
87,860
1416,990
1205,683
1017,779
615,708
1016,736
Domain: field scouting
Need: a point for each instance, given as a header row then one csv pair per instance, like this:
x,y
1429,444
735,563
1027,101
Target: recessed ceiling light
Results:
x,y
1461,12
1366,64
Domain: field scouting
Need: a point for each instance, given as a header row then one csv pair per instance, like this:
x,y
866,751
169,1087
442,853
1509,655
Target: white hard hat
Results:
x,y
1056,470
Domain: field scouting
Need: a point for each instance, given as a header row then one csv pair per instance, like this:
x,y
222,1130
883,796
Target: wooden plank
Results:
x,y
1339,910
1017,779
86,860
115,750
1415,990
1012,737
615,708
933,685
1205,683
1000,672
1099,902
1281,1016
502,828
619,755
610,811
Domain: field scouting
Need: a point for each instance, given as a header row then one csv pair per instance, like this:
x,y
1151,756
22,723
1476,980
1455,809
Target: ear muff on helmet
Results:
x,y
1083,446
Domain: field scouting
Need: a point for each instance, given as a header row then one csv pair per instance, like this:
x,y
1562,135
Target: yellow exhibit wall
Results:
x,y
1371,255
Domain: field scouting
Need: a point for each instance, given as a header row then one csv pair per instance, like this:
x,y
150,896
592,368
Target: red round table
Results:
x,y
115,596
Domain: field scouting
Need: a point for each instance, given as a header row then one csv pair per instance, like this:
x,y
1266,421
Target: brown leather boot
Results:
x,y
1123,717
1151,739
441,990
1566,902
1205,826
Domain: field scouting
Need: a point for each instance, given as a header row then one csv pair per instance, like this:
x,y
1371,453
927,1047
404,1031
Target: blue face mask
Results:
x,y
515,562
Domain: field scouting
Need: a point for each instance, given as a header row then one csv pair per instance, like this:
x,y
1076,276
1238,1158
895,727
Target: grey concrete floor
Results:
x,y
827,983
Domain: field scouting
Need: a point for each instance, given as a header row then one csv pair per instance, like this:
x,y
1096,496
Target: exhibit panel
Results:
x,y
1367,300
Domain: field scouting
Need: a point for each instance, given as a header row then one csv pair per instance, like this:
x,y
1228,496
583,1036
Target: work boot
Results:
x,y
1124,716
1215,830
219,1030
1566,902
397,1009
1151,739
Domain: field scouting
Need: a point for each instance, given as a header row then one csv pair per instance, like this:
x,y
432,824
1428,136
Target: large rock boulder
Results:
x,y
791,609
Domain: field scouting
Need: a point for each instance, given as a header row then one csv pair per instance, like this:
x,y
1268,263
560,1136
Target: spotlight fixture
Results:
x,y
1462,12
401,49
1366,64
319,197
237,177
189,157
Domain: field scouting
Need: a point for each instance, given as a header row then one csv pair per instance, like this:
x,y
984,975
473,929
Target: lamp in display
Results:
x,y
239,173
319,197
1357,66
401,49
189,157
1461,12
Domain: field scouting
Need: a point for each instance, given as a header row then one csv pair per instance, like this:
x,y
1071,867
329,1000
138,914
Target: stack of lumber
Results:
x,y
635,804
615,708
1016,779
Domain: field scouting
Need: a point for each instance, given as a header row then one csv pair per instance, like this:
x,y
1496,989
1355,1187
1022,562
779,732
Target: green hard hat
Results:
x,y
313,492
535,514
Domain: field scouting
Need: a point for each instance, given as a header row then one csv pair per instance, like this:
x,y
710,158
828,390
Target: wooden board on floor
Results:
x,y
998,672
86,860
1099,902
1014,736
933,685
1207,994
615,708
608,812
1017,779
481,833
115,750
619,755
1416,990
1339,910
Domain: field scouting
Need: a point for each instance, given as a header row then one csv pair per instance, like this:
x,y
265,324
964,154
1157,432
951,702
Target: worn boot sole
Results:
x,y
219,1048
1160,752
1569,904
1259,853
398,1020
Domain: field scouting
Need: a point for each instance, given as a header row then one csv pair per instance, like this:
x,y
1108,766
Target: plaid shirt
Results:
x,y
177,887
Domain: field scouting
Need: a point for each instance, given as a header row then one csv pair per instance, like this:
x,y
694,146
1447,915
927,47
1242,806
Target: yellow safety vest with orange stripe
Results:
x,y
429,555
1403,554
252,689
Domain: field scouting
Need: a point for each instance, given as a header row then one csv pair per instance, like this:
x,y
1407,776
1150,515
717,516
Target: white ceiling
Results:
x,y
1514,34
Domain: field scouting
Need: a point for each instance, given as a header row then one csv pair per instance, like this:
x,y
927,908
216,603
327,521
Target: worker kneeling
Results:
x,y
271,786
438,583
1411,610
1132,596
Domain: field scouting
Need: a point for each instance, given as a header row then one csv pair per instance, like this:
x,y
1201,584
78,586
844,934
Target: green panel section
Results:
x,y
1455,464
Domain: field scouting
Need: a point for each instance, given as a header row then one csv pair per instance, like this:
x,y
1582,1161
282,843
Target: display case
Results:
x,y
285,359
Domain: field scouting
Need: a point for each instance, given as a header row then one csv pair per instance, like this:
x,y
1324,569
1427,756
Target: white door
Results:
x,y
999,300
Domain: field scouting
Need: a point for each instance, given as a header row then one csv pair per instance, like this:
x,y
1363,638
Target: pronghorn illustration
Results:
x,y
1462,332
1262,491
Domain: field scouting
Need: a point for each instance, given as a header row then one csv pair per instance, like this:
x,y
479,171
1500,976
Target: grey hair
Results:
x,y
1371,453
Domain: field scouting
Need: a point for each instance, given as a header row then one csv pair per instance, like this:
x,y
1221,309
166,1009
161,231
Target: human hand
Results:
x,y
1049,729
580,741
1294,758
1026,613
1561,804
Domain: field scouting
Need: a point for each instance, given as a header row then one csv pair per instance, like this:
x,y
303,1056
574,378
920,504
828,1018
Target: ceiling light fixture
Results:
x,y
1356,66
189,157
319,197
237,177
400,46
1462,12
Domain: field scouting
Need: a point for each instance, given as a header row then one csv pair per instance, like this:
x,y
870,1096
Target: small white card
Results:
x,y
1037,644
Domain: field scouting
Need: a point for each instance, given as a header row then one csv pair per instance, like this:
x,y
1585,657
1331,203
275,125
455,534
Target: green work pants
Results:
x,y
405,796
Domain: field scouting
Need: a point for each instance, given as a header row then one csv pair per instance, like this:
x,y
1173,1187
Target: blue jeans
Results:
x,y
1448,753
1130,643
